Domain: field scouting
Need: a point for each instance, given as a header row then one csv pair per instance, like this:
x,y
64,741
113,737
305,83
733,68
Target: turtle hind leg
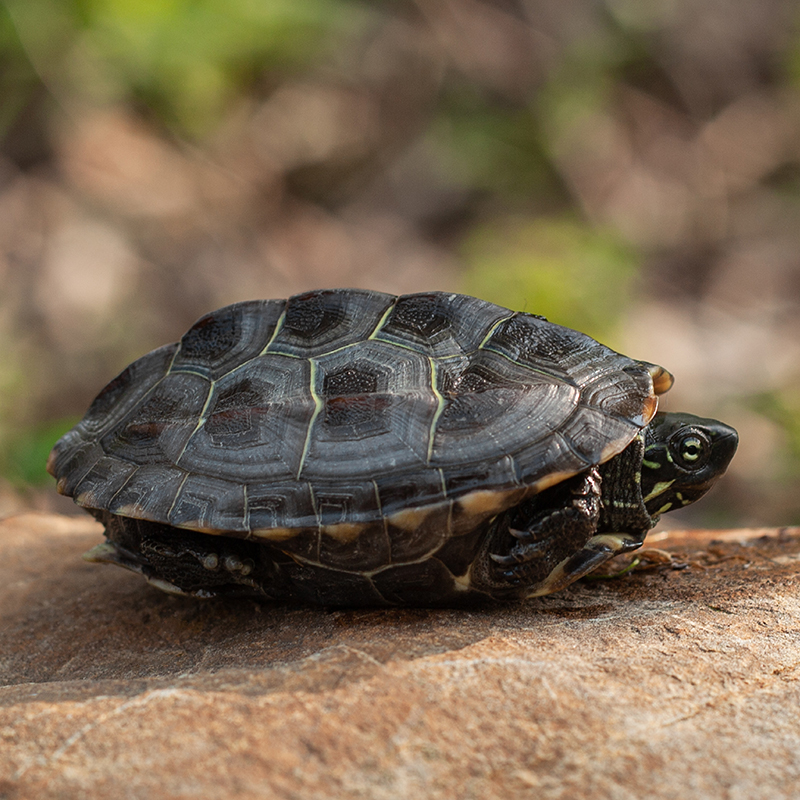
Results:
x,y
184,562
548,542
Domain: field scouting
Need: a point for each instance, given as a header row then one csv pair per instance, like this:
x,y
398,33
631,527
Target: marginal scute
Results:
x,y
274,534
612,449
410,519
209,504
99,485
343,532
199,526
148,493
551,480
411,544
649,408
484,502
135,511
74,461
662,379
50,466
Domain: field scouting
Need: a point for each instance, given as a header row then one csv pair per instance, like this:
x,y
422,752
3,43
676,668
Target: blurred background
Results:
x,y
628,168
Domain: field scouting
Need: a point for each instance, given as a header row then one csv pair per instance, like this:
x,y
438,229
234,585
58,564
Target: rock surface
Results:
x,y
678,681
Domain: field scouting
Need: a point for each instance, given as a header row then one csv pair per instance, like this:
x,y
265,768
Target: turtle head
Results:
x,y
684,456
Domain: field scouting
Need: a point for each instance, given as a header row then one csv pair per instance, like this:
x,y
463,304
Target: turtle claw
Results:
x,y
521,553
527,549
512,578
505,561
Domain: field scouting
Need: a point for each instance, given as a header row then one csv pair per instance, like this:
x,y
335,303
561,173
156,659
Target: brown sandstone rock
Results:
x,y
679,681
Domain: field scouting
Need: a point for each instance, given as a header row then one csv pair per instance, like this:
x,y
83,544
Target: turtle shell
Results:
x,y
310,421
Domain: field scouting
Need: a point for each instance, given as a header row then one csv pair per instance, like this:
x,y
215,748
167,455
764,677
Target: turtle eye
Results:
x,y
692,449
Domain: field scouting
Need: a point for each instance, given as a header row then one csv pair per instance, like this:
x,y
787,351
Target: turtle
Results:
x,y
348,447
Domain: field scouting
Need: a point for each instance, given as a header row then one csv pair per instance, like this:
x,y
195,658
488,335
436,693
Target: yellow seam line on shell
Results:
x,y
200,422
314,507
278,326
172,360
317,408
553,377
494,328
380,509
187,371
127,481
177,494
440,404
382,320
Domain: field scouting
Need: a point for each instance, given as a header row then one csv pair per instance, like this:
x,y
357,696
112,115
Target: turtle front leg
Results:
x,y
595,552
549,541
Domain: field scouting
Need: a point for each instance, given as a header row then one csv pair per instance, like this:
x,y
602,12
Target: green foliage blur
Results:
x,y
562,269
184,60
25,454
